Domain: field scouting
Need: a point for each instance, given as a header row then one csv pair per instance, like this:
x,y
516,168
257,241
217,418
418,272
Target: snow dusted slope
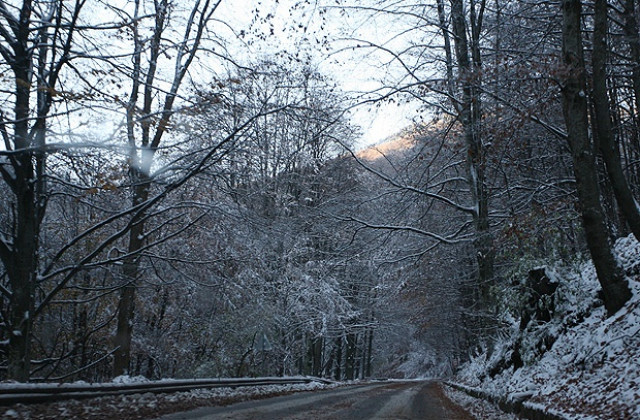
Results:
x,y
592,368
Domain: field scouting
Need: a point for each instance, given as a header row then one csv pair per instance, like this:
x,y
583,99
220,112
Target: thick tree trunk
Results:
x,y
21,270
126,304
20,311
608,148
21,260
369,352
338,344
317,344
633,39
350,362
124,332
615,289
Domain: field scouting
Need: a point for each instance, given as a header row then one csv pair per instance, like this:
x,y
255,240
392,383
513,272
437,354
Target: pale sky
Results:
x,y
358,71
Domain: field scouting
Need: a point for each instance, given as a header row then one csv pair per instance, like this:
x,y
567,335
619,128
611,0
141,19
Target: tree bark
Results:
x,y
470,117
633,39
21,260
369,352
615,289
338,346
350,357
151,132
22,266
126,304
610,154
32,53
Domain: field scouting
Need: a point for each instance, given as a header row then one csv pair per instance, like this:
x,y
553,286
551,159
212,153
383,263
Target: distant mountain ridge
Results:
x,y
403,140
397,143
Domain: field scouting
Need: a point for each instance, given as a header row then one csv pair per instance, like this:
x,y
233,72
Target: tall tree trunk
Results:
x,y
615,289
21,269
317,344
28,182
444,27
610,154
338,344
630,29
470,116
369,351
151,133
130,269
350,363
21,260
631,34
22,274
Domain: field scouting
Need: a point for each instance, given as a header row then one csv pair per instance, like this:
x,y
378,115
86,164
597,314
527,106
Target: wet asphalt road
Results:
x,y
385,400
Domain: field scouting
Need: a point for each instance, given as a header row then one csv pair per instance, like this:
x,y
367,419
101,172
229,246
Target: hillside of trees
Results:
x,y
178,201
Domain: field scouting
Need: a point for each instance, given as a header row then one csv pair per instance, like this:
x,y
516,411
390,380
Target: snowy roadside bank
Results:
x,y
579,365
512,406
479,408
149,405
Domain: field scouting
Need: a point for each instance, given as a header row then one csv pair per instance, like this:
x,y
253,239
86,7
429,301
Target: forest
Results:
x,y
186,191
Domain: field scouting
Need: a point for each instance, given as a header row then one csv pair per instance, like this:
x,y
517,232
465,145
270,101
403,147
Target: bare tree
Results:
x,y
469,62
146,127
614,285
37,44
602,121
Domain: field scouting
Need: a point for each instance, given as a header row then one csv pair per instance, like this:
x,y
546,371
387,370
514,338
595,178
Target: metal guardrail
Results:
x,y
24,394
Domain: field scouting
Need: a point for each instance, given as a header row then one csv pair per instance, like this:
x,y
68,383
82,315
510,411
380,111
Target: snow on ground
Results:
x,y
149,405
592,369
126,379
478,408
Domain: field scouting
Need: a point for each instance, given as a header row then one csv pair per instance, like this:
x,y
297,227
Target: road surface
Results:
x,y
384,400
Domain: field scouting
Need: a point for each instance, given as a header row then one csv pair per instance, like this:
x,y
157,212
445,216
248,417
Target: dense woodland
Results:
x,y
178,202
